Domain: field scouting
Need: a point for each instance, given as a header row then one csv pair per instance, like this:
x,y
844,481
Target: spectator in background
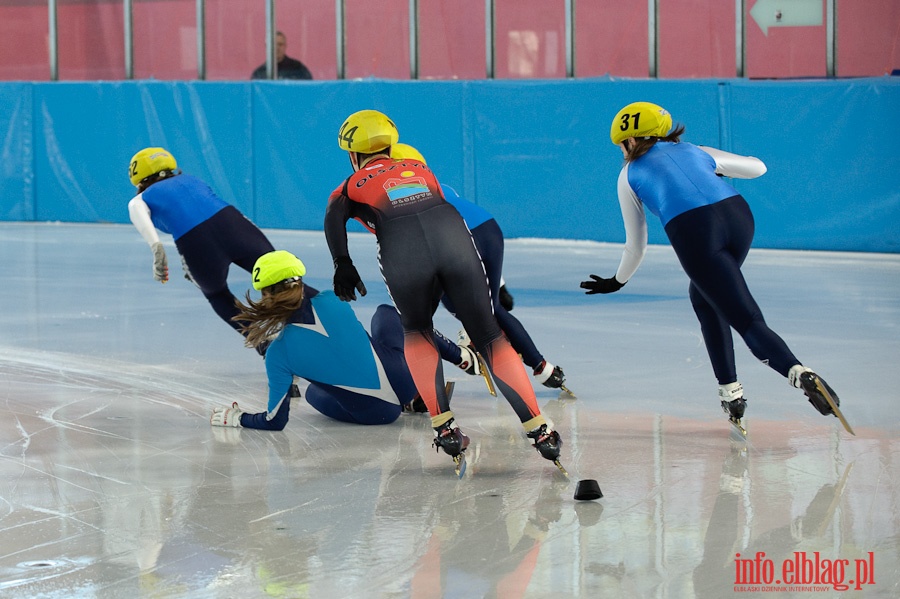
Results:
x,y
285,66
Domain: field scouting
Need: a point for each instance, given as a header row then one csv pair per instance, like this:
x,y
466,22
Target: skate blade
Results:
x,y
565,393
738,427
486,376
448,389
460,461
561,468
833,405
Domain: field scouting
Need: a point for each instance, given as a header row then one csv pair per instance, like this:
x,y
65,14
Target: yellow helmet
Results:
x,y
367,131
640,119
275,267
405,151
150,161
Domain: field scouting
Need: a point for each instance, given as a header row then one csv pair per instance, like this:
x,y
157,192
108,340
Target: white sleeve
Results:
x,y
635,228
140,217
735,165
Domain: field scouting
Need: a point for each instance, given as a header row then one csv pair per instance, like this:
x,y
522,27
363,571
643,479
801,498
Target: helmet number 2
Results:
x,y
346,134
256,275
627,117
133,170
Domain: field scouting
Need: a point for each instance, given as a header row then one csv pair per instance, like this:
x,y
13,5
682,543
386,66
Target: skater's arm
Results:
x,y
139,213
262,420
448,350
336,216
635,229
735,165
281,390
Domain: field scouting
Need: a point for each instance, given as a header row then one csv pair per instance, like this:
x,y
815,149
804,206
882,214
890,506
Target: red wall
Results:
x,y
696,39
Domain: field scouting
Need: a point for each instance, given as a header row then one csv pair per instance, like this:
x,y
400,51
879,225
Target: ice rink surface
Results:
x,y
114,485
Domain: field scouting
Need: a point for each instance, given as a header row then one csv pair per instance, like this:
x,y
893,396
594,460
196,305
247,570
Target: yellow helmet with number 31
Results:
x,y
640,119
150,161
367,131
275,267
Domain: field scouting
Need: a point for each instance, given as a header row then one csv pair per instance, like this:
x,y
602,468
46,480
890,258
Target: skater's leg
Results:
x,y
387,340
469,294
241,240
425,367
347,406
711,244
490,244
716,337
386,327
512,381
208,264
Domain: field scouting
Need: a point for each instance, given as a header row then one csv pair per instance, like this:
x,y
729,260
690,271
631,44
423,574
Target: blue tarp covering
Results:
x,y
534,153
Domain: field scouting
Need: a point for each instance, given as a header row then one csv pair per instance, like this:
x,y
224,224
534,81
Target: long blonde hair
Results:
x,y
263,320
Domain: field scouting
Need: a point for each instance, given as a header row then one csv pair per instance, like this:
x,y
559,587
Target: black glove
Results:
x,y
346,279
601,285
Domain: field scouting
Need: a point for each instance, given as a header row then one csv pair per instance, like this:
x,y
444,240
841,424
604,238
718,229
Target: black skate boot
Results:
x,y
735,408
546,441
808,382
549,375
734,404
454,443
820,394
449,438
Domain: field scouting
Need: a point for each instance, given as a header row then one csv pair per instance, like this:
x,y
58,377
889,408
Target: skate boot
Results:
x,y
734,404
804,378
549,375
553,377
449,438
546,441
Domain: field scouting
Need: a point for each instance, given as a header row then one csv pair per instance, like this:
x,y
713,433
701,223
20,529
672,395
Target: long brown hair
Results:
x,y
643,144
263,320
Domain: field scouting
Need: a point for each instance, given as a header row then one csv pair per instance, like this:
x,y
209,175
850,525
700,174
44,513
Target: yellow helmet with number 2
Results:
x,y
150,161
367,131
640,119
275,267
406,152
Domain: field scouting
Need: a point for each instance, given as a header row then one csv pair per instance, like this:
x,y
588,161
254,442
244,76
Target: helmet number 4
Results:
x,y
346,134
627,117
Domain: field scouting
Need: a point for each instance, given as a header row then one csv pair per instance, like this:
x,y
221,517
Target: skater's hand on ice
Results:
x,y
226,416
346,279
160,264
601,285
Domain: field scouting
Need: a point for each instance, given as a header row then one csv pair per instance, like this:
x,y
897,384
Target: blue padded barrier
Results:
x,y
535,153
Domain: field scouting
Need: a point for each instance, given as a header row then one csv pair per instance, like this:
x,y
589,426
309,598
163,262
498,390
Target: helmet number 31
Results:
x,y
627,117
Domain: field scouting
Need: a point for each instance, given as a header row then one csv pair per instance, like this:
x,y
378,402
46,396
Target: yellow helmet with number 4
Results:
x,y
640,119
150,161
275,267
406,152
367,131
